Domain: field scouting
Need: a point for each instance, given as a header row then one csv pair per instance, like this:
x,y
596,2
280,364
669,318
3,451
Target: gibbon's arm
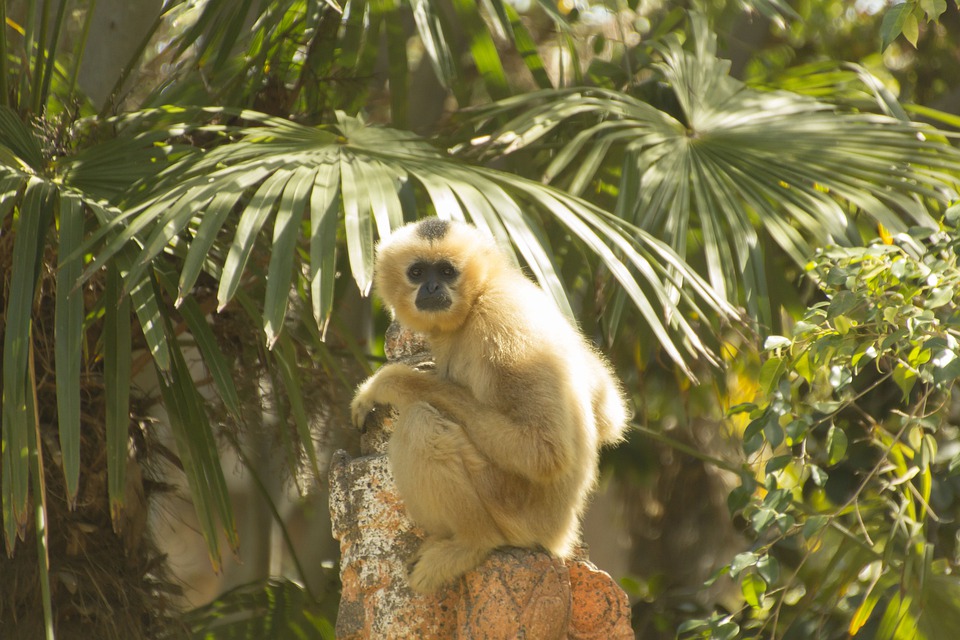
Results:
x,y
538,448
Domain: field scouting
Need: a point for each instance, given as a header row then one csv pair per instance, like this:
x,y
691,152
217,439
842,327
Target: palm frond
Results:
x,y
274,608
289,174
291,44
734,160
43,196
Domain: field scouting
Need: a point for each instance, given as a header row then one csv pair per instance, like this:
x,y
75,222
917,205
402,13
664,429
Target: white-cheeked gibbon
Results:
x,y
498,445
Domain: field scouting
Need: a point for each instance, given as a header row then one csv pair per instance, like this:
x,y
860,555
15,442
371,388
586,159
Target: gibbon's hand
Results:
x,y
384,387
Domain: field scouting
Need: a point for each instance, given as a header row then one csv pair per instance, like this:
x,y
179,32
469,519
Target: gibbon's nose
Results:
x,y
432,286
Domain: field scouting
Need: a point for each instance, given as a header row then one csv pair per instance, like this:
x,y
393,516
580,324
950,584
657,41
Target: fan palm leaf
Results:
x,y
284,174
733,161
52,212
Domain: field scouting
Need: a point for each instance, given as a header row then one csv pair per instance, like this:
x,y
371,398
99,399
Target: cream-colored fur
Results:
x,y
498,446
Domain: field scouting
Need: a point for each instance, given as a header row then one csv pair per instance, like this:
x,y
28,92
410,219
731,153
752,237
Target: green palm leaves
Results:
x,y
730,161
288,185
50,215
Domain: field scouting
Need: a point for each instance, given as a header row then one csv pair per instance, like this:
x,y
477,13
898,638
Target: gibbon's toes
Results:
x,y
423,581
443,561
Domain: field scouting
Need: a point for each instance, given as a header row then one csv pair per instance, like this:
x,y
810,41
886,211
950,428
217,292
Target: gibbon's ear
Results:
x,y
430,273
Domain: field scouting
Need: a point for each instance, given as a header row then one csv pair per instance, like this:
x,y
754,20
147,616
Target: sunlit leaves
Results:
x,y
847,435
734,161
904,18
287,174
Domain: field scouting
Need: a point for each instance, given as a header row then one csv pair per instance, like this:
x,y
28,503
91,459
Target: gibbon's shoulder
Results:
x,y
519,320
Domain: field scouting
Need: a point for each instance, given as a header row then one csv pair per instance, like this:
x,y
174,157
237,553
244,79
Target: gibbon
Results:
x,y
498,445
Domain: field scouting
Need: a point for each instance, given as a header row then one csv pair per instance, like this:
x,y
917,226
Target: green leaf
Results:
x,y
836,444
893,23
911,29
526,45
905,379
769,569
20,139
843,324
482,48
146,304
68,332
248,228
31,228
770,373
752,436
430,27
740,497
776,342
324,220
796,430
814,525
742,561
938,297
867,605
358,223
753,587
286,230
928,451
818,475
116,381
777,463
933,8
212,220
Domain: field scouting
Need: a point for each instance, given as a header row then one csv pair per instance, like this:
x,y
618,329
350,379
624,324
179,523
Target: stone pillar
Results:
x,y
515,593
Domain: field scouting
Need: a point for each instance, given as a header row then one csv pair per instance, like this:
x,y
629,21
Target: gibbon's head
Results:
x,y
430,273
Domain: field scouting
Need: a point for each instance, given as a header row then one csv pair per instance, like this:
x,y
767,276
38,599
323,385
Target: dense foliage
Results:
x,y
184,261
851,498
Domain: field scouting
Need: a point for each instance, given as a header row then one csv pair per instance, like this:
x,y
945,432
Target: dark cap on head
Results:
x,y
432,229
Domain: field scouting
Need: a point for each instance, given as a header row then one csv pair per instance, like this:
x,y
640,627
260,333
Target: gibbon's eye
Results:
x,y
415,271
447,270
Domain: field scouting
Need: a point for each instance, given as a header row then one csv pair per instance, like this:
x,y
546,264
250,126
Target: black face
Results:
x,y
435,280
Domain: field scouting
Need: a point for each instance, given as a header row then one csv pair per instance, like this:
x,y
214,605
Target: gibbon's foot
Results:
x,y
442,562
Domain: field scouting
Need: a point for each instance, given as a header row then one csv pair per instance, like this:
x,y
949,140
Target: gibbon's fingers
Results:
x,y
384,387
362,403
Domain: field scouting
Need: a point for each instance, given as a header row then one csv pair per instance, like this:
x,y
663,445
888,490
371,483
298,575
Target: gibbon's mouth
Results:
x,y
433,303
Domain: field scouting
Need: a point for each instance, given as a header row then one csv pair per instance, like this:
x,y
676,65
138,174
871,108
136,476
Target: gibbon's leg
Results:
x,y
432,462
